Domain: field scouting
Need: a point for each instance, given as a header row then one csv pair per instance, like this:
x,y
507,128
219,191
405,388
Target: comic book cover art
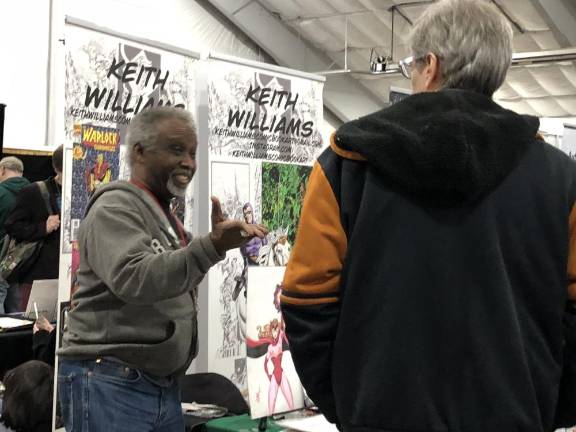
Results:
x,y
95,162
283,189
273,383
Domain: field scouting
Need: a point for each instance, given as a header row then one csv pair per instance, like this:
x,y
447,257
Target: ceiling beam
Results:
x,y
560,15
343,95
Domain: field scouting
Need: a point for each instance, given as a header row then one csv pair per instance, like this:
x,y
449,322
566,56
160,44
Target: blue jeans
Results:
x,y
106,396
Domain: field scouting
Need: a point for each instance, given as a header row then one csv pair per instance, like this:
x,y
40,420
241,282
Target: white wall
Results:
x,y
555,125
23,74
331,124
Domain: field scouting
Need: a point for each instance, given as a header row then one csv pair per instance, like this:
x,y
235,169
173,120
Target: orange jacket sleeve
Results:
x,y
313,272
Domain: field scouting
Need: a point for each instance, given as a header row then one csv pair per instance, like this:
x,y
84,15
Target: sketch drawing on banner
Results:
x,y
283,190
273,383
230,182
227,276
66,221
124,170
239,375
183,207
223,95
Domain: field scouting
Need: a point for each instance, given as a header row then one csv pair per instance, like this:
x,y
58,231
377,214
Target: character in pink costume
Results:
x,y
272,337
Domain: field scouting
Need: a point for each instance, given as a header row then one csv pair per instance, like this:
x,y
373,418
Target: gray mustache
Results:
x,y
185,173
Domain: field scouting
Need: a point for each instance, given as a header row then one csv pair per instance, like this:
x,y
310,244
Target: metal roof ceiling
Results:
x,y
545,90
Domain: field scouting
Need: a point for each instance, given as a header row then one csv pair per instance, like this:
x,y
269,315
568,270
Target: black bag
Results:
x,y
18,257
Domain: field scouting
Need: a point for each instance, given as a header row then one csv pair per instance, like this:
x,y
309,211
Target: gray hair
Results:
x,y
143,128
13,164
472,39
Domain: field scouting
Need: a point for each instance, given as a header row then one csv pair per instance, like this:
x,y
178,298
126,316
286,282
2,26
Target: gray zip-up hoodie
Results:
x,y
136,300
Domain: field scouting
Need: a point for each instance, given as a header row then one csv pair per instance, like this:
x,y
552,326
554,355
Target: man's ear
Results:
x,y
432,71
138,152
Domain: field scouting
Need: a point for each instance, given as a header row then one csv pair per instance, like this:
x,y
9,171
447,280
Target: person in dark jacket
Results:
x,y
30,220
427,286
11,181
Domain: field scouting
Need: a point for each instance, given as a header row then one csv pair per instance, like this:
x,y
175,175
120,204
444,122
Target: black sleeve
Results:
x,y
311,332
44,346
566,407
26,221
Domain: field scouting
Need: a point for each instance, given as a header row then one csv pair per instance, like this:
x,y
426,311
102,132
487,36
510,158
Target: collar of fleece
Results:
x,y
452,145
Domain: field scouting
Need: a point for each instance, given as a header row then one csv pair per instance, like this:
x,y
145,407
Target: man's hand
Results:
x,y
52,223
42,324
231,234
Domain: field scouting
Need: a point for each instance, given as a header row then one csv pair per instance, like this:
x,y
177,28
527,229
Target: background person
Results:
x,y
11,182
30,220
28,398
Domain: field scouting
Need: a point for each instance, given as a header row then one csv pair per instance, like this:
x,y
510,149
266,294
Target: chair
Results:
x,y
210,388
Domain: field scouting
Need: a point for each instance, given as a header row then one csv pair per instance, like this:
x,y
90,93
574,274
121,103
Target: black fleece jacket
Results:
x,y
427,286
27,222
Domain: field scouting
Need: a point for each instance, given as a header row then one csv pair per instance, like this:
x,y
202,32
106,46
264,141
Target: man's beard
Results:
x,y
173,188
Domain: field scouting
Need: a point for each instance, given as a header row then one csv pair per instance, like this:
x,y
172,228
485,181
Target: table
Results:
x,y
15,349
239,423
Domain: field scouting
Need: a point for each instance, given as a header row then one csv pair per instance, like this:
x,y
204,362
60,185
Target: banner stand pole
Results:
x,y
2,108
263,424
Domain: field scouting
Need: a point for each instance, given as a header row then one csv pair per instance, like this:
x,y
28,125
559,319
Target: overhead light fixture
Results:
x,y
537,57
378,65
382,66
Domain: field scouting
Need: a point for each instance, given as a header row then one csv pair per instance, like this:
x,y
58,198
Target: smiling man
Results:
x,y
132,330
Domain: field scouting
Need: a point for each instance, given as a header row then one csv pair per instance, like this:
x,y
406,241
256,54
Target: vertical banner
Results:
x,y
2,112
263,137
109,80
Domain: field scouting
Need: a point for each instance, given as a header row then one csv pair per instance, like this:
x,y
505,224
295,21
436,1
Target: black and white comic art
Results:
x,y
263,137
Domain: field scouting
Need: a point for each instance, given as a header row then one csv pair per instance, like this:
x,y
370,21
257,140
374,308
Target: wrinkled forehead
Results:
x,y
175,128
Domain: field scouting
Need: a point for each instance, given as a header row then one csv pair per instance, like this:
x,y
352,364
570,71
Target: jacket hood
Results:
x,y
454,145
130,188
14,184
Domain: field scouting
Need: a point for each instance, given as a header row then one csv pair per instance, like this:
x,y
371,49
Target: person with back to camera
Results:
x,y
11,182
132,329
428,282
36,216
27,400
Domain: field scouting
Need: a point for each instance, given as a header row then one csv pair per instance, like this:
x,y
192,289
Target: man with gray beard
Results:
x,y
132,329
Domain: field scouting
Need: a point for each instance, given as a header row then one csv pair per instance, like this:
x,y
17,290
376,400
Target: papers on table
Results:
x,y
317,423
7,323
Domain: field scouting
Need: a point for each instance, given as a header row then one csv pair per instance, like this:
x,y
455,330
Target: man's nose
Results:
x,y
188,162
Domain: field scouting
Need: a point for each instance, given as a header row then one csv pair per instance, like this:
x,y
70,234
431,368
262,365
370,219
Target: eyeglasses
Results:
x,y
406,67
407,64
